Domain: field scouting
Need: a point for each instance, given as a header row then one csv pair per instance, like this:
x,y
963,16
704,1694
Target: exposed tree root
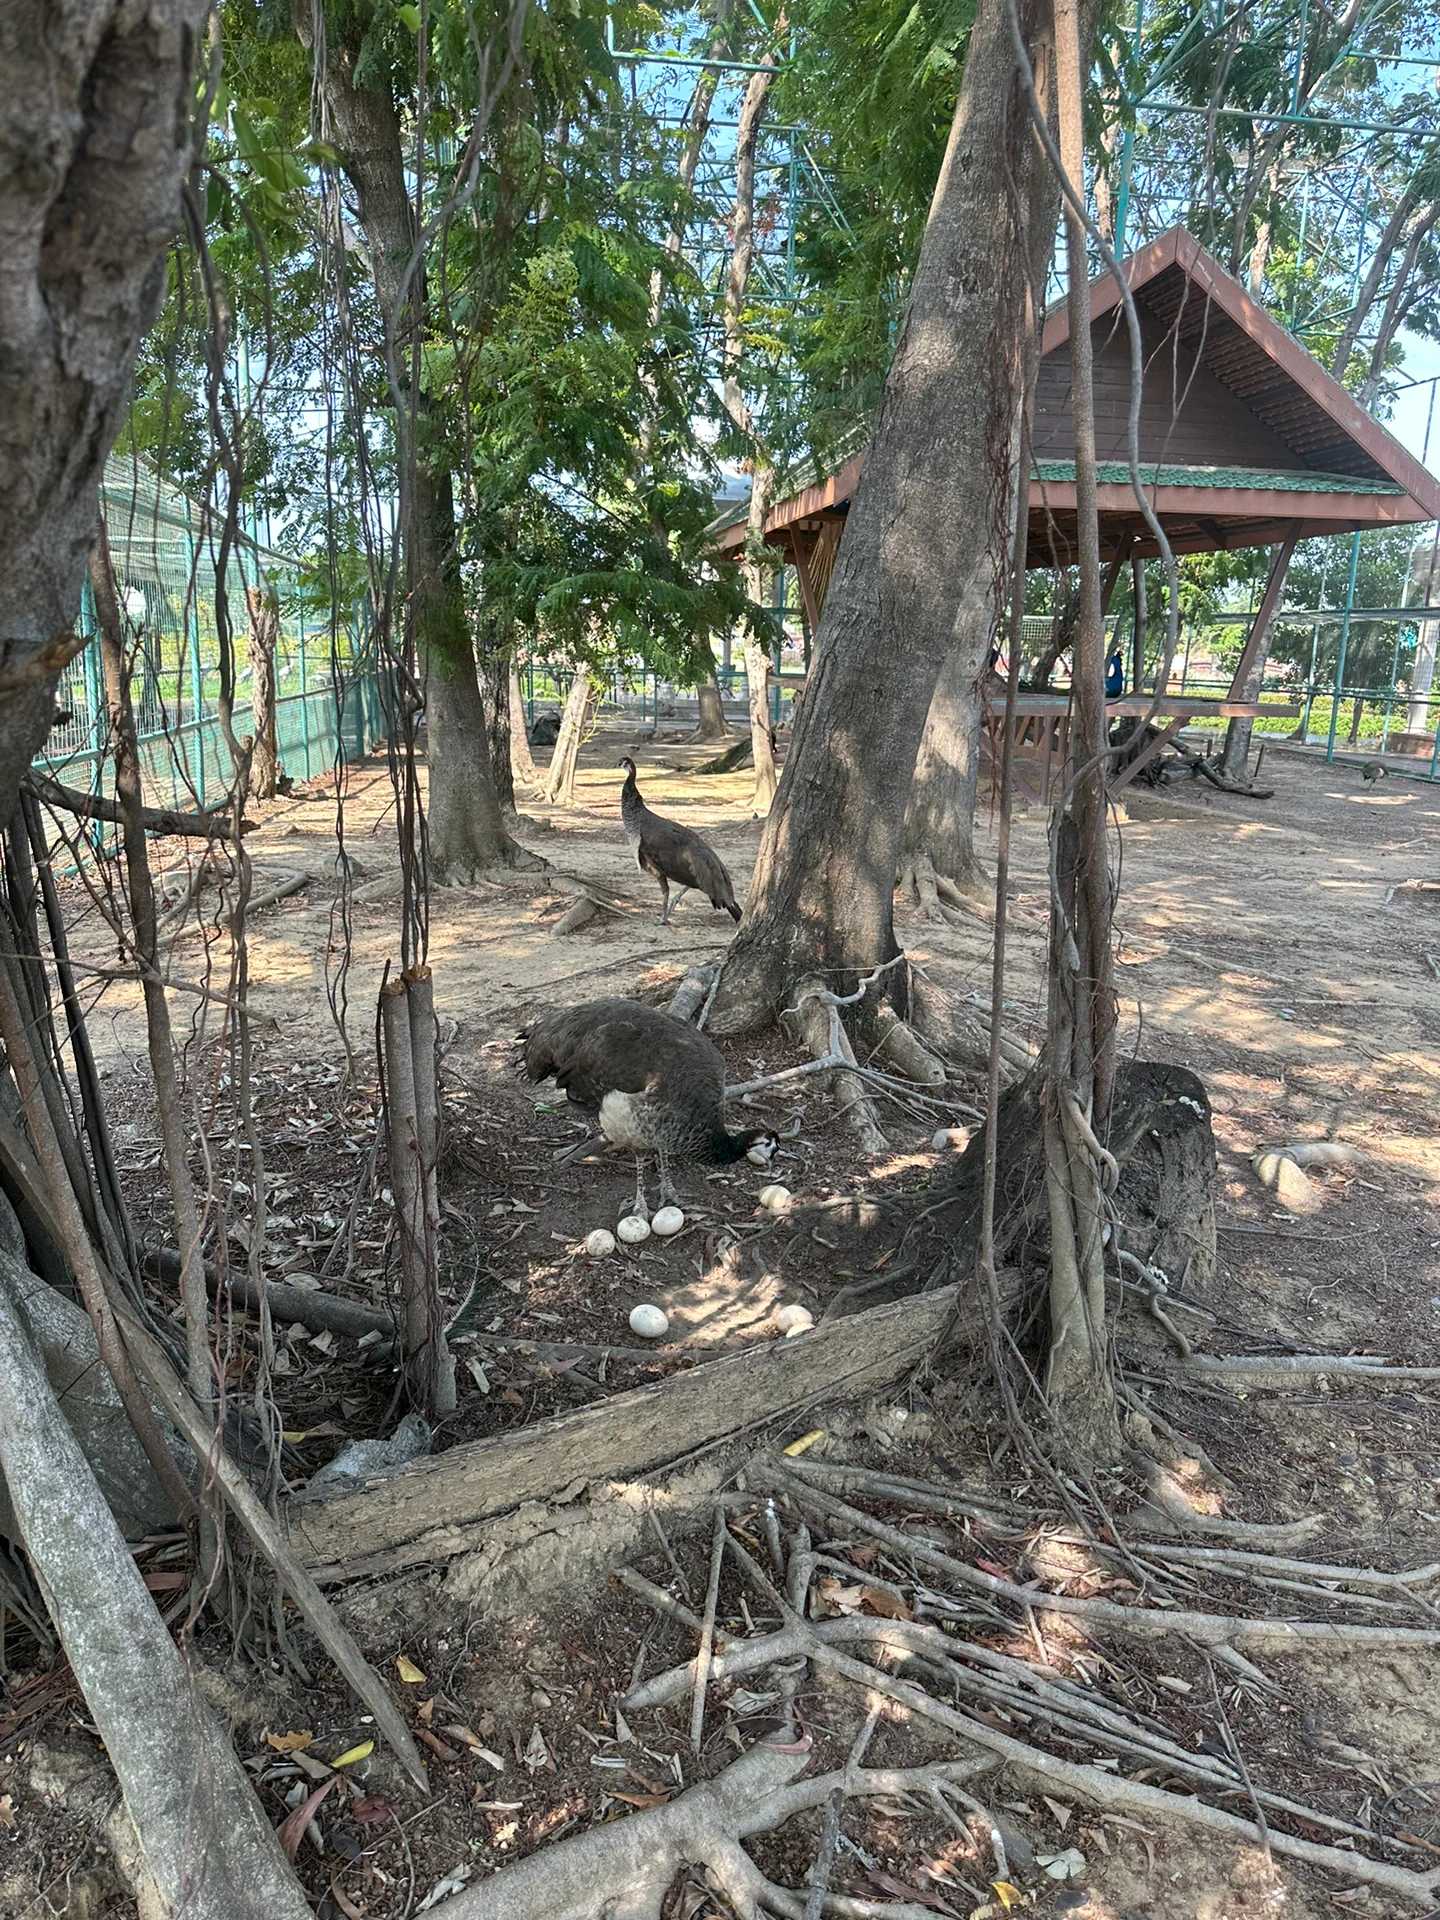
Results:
x,y
1207,1629
975,1681
943,898
740,754
816,1017
625,1869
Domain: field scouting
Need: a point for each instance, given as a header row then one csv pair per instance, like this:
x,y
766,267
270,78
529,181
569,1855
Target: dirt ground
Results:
x,y
1274,948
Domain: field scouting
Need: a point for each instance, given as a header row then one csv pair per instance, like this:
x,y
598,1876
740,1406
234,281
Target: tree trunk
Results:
x,y
99,137
1250,673
937,482
758,561
523,771
939,837
261,605
574,725
1357,714
495,691
712,724
1062,638
1079,1060
467,833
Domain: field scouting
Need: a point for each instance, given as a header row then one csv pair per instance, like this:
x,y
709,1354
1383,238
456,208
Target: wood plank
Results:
x,y
429,1510
1186,706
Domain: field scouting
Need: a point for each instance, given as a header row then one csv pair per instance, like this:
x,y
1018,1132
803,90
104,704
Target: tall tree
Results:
x,y
758,565
937,482
364,86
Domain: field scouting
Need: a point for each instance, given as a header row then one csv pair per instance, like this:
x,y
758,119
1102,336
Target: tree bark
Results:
x,y
937,481
495,690
939,837
264,614
97,136
1247,683
467,833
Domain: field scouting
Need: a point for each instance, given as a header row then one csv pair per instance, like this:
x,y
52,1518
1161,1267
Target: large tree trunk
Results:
x,y
522,761
939,842
264,614
97,135
937,482
711,724
467,832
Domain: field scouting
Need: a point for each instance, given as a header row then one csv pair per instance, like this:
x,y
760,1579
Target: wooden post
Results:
x,y
1250,670
802,549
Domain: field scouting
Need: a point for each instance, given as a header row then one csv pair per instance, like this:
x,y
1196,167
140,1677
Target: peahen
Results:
x,y
670,852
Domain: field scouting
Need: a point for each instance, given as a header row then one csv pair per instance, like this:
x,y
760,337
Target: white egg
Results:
x,y
666,1220
599,1243
775,1198
950,1138
632,1229
794,1319
651,1323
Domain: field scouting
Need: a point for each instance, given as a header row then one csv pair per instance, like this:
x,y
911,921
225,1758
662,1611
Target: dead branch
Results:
x,y
281,890
157,820
205,1842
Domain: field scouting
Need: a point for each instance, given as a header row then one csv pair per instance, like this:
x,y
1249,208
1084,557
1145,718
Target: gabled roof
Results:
x,y
1243,432
1206,312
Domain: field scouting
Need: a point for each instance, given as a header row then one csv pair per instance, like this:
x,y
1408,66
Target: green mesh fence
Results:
x,y
329,705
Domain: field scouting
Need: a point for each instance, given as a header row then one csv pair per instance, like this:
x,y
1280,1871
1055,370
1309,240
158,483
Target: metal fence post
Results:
x,y
305,690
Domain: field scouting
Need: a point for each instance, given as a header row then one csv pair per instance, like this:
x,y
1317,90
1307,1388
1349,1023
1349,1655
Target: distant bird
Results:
x,y
657,1084
1373,771
670,852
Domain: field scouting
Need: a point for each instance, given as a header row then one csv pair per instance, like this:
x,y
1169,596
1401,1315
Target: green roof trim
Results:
x,y
1116,473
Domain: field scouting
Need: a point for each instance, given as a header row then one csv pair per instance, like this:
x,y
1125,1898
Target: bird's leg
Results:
x,y
679,896
664,901
668,1195
641,1205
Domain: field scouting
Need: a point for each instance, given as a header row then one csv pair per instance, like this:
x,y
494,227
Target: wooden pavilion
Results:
x,y
1245,441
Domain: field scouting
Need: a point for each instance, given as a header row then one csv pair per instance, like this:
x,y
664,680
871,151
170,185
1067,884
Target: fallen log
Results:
x,y
430,1510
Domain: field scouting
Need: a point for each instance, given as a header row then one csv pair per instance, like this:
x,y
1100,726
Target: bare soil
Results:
x,y
1274,948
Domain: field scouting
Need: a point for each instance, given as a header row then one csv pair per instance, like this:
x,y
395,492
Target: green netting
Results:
x,y
328,695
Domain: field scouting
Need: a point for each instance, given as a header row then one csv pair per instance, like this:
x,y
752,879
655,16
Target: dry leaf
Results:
x,y
1068,1865
804,1443
351,1754
409,1672
1061,1812
536,1754
424,1711
7,1810
292,1828
889,1606
289,1742
371,1810
436,1745
641,1800
1007,1893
